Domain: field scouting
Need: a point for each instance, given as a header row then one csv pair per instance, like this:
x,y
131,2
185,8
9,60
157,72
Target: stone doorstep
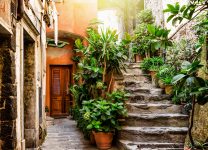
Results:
x,y
129,145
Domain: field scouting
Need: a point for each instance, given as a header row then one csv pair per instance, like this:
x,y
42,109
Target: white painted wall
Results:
x,y
110,19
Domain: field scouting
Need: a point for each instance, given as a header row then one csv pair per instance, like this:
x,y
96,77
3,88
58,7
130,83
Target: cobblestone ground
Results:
x,y
64,135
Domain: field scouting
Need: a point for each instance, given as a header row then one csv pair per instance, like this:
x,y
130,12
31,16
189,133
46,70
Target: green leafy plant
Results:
x,y
47,109
159,37
100,59
194,86
180,51
152,64
102,114
166,73
188,12
141,42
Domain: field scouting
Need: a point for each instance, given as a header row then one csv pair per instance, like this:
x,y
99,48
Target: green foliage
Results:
x,y
102,114
80,93
149,38
104,55
189,12
142,40
187,83
145,16
159,37
152,64
47,109
182,50
166,73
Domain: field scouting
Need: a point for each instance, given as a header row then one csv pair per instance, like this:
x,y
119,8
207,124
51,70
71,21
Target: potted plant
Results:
x,y
152,65
47,111
138,53
168,85
102,58
102,116
165,75
194,86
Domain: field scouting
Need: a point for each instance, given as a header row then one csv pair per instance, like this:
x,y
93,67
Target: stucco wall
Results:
x,y
5,6
75,15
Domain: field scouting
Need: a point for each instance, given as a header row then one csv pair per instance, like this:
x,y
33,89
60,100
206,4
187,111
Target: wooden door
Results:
x,y
60,94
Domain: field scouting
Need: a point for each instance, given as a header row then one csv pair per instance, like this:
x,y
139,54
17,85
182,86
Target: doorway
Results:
x,y
60,97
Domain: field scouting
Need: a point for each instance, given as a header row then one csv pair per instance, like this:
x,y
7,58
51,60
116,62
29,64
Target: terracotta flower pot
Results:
x,y
92,139
103,140
153,74
138,58
168,89
154,78
161,84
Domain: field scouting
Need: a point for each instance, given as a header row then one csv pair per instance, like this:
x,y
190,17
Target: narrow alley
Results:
x,y
64,135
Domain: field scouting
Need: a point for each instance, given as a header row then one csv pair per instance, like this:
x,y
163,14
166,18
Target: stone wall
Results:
x,y
200,128
8,101
157,10
30,118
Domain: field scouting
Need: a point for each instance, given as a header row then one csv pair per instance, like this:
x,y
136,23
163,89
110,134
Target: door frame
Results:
x,y
50,82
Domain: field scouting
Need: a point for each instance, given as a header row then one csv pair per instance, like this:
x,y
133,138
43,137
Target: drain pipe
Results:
x,y
20,9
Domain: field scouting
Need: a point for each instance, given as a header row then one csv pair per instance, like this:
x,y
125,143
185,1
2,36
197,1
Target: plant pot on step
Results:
x,y
92,138
103,140
169,89
154,78
138,57
161,84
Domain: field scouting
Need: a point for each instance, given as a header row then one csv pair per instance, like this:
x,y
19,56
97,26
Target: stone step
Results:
x,y
154,91
154,107
49,121
133,65
129,145
156,120
141,77
133,71
134,84
138,97
153,134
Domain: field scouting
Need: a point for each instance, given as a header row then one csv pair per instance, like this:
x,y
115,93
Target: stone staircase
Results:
x,y
153,122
